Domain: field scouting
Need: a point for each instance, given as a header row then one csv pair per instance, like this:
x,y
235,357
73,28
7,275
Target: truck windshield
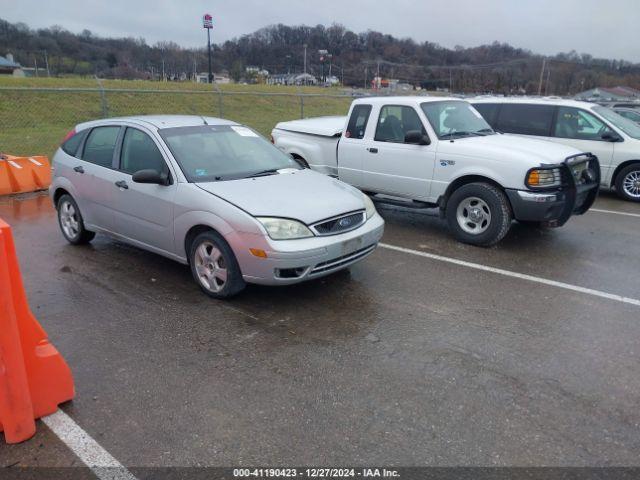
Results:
x,y
627,126
454,118
223,152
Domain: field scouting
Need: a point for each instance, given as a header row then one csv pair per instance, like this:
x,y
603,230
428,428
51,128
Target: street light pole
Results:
x,y
207,22
305,63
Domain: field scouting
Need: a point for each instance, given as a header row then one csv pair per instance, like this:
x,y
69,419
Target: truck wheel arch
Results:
x,y
619,168
300,158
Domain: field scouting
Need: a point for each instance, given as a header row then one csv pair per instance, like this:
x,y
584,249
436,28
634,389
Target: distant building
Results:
x,y
609,94
9,67
291,79
219,78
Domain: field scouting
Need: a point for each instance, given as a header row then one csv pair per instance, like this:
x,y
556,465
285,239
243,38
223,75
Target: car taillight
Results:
x,y
71,133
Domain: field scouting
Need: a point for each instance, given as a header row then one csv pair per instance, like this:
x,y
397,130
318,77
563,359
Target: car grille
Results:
x,y
340,224
344,260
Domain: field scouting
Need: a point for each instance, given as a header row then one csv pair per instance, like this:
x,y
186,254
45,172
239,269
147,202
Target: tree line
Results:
x,y
356,58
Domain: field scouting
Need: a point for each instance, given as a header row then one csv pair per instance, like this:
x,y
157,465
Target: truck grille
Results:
x,y
341,224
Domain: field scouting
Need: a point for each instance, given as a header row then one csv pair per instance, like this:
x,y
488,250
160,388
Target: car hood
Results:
x,y
513,148
304,195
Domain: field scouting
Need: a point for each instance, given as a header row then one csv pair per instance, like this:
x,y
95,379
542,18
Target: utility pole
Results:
x,y
46,62
163,77
305,63
544,63
450,82
365,77
207,23
546,88
35,64
330,62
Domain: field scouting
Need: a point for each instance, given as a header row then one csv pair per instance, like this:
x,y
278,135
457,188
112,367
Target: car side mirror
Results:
x,y
416,137
150,176
611,137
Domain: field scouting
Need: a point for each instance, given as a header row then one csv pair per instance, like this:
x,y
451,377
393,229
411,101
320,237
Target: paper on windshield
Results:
x,y
244,131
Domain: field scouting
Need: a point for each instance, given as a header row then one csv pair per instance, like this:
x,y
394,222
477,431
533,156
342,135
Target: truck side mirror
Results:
x,y
416,137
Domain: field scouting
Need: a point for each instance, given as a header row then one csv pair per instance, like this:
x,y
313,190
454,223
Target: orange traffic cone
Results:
x,y
34,378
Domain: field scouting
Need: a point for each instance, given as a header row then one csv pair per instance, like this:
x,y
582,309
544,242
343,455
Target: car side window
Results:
x,y
579,124
395,121
139,152
489,111
71,146
526,119
100,146
358,122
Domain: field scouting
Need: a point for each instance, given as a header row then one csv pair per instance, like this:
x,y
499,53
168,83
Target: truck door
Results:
x,y
392,165
351,148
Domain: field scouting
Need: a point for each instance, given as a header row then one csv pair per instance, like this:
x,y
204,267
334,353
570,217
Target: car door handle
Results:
x,y
372,150
78,169
122,184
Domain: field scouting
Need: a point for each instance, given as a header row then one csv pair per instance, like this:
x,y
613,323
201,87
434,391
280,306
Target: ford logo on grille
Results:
x,y
345,222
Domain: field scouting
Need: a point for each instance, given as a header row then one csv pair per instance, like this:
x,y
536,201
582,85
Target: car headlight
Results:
x,y
369,206
284,229
543,178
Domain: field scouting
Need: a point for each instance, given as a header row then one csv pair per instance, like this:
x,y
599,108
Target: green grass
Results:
x,y
34,122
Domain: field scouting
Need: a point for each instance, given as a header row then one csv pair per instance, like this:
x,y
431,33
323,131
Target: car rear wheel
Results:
x,y
628,183
479,214
214,266
71,223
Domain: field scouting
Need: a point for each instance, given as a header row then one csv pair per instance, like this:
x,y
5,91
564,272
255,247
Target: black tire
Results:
x,y
213,286
81,235
633,169
495,201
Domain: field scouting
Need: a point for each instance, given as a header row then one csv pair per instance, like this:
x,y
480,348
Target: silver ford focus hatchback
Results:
x,y
212,194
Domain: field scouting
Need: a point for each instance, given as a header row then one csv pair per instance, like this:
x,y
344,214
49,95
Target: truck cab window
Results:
x,y
358,122
395,121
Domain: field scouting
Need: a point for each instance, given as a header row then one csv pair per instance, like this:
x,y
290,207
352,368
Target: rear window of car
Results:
x,y
526,119
71,146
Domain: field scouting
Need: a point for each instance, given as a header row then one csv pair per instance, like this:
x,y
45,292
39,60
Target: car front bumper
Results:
x,y
294,261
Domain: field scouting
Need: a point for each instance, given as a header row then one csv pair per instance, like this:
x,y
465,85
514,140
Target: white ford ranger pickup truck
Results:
x,y
435,152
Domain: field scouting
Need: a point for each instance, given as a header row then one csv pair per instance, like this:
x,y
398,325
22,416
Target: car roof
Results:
x,y
403,100
534,101
159,121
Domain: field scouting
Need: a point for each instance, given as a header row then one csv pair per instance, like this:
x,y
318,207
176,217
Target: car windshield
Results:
x,y
454,119
627,126
223,152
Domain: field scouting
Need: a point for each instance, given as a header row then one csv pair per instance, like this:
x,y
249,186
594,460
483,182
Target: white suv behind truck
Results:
x,y
589,127
424,152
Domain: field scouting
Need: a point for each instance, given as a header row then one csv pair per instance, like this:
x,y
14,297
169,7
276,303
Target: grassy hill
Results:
x,y
36,113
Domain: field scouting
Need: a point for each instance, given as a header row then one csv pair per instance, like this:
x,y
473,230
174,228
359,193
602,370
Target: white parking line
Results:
x,y
598,210
521,276
101,462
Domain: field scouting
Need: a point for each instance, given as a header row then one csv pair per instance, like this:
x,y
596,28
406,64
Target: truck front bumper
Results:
x,y
555,207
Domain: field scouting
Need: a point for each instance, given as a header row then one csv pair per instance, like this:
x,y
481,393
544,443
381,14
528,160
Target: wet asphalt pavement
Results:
x,y
400,361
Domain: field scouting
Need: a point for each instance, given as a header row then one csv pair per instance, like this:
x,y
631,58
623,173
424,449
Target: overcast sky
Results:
x,y
601,28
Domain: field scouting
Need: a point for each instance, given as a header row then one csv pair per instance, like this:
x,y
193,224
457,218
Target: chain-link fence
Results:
x,y
34,120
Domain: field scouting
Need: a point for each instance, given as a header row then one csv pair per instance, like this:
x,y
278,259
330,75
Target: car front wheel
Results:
x,y
479,214
628,183
214,266
71,223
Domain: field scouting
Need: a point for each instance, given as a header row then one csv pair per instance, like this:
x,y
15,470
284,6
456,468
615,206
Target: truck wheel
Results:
x,y
479,214
628,183
214,266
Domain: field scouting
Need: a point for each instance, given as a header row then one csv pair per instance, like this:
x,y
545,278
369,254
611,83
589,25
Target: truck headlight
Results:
x,y
543,178
284,229
369,206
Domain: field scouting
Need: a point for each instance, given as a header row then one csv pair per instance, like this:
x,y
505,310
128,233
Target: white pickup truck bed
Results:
x,y
314,140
